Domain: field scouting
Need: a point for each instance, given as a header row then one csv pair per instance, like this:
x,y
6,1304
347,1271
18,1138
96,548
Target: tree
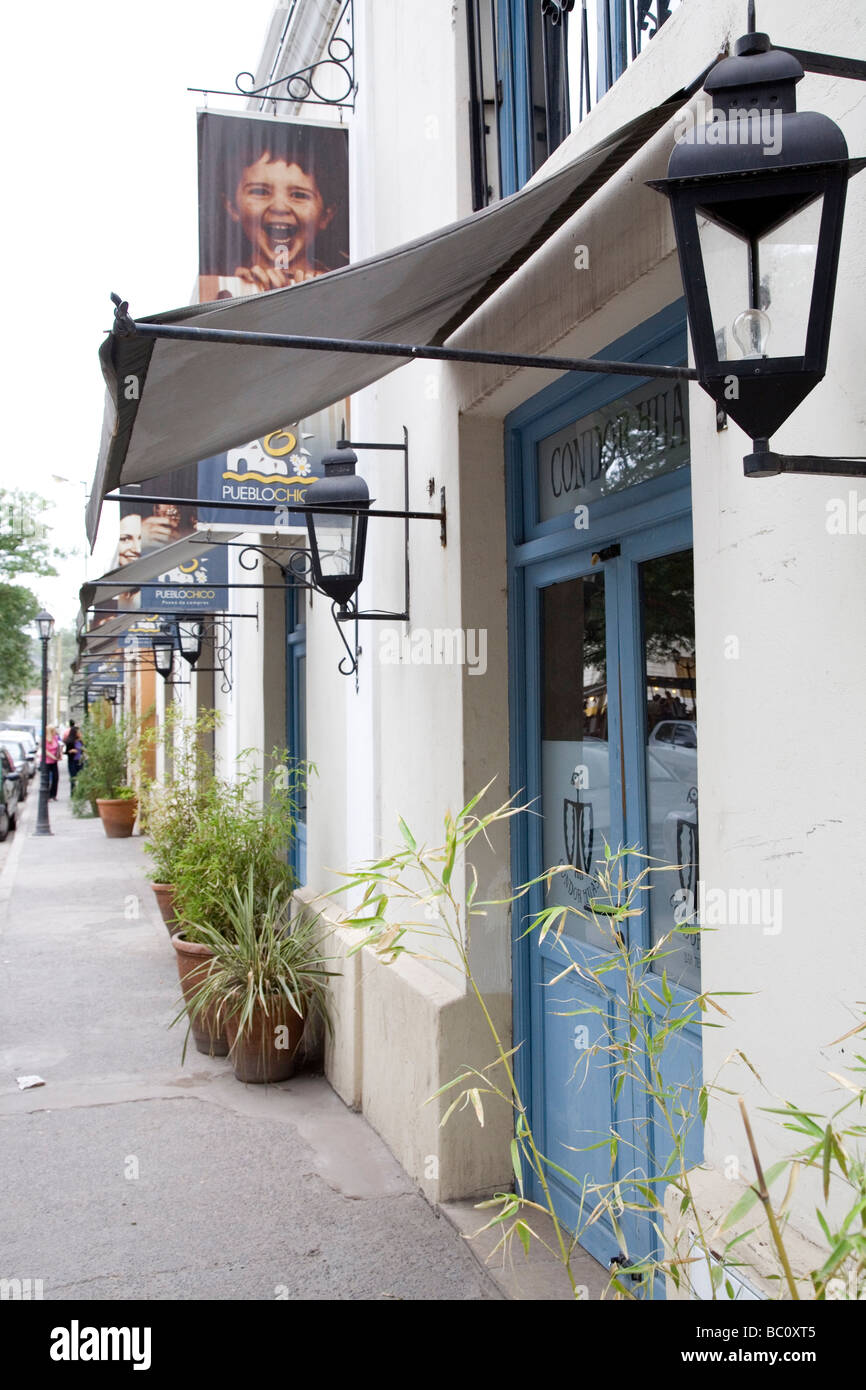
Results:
x,y
18,608
25,545
25,548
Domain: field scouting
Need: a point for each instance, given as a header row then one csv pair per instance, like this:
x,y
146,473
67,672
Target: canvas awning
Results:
x,y
149,566
172,402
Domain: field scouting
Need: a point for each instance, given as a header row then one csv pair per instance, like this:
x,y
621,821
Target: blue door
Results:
x,y
605,748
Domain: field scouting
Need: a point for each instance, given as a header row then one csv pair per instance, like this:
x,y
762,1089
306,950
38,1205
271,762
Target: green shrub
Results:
x,y
232,840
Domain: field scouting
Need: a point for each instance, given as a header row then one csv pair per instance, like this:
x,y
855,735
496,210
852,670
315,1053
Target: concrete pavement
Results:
x,y
128,1175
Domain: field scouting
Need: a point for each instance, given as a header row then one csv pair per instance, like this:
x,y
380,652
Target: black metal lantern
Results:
x,y
757,195
189,639
163,653
45,624
338,539
110,693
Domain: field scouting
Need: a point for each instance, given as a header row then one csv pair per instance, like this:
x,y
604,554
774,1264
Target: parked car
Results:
x,y
34,730
31,747
10,794
675,743
17,754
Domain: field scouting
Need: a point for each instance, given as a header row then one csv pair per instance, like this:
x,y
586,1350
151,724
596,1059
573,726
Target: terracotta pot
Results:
x,y
118,816
192,961
164,894
257,1057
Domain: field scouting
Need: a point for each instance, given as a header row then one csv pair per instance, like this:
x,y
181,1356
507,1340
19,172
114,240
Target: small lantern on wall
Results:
x,y
189,639
757,196
163,653
338,540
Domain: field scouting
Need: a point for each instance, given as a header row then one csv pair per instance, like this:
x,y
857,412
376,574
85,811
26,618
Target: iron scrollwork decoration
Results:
x,y
296,573
337,70
221,635
555,9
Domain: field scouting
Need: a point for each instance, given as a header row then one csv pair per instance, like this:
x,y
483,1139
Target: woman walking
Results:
x,y
53,754
74,752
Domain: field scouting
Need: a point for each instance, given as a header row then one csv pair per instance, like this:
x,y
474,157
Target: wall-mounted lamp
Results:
x,y
163,653
189,639
757,196
338,540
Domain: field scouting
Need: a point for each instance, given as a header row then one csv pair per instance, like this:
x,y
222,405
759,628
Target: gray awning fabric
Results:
x,y
101,640
198,399
150,566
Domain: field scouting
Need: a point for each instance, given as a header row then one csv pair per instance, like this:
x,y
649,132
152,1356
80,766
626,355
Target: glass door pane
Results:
x,y
575,753
668,648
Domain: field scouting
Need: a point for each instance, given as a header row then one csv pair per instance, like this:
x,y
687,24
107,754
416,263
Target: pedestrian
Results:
x,y
53,753
74,752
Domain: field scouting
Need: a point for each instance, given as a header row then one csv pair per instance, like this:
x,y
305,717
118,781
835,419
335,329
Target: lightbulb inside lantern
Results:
x,y
751,331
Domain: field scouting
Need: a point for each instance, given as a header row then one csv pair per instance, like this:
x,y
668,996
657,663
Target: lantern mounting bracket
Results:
x,y
764,463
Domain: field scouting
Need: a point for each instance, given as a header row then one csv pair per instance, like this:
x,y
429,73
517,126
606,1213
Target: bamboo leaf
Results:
x,y
475,1097
516,1165
523,1231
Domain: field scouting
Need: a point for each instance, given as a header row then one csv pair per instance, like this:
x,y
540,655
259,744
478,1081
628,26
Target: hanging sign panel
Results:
x,y
273,212
198,585
271,474
273,203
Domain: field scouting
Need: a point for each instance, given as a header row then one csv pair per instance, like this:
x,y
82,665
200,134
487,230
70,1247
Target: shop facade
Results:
x,y
611,583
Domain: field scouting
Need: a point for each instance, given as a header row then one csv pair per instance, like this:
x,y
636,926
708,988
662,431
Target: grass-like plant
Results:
x,y
401,891
262,963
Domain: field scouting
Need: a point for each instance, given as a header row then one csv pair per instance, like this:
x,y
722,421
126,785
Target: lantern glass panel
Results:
x,y
337,537
726,269
787,258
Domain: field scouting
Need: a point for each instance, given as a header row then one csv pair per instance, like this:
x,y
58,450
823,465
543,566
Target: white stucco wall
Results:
x,y
782,759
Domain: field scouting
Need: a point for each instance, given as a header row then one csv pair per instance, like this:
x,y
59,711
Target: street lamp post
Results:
x,y
45,624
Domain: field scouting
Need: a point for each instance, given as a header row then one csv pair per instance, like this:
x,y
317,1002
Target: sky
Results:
x,y
99,160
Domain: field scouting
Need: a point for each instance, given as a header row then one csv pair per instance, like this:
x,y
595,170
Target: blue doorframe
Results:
x,y
650,519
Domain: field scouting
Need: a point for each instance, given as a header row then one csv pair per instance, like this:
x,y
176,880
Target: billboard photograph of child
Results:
x,y
273,203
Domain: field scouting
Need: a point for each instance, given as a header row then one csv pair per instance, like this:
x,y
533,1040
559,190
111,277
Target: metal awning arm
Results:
x,y
127,327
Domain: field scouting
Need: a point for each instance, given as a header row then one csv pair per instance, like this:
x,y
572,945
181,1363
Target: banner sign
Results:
x,y
273,212
273,203
271,473
145,527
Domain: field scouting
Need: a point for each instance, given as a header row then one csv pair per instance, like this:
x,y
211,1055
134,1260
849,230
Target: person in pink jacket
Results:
x,y
53,754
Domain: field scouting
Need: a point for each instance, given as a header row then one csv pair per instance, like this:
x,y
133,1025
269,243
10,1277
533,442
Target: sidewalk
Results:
x,y
129,1176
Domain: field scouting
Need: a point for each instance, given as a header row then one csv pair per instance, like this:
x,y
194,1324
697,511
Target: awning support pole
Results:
x,y
125,327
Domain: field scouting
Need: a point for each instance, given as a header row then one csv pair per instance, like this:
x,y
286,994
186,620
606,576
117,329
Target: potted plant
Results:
x,y
266,978
104,777
170,811
230,839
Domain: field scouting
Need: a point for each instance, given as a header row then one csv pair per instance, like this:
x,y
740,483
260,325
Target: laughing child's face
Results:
x,y
281,211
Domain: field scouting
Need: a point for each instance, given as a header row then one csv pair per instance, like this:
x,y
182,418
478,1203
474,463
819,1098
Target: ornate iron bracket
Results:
x,y
555,9
304,86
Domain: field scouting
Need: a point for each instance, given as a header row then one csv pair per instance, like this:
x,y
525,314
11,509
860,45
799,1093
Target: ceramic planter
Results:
x,y
268,1051
192,962
164,894
117,816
